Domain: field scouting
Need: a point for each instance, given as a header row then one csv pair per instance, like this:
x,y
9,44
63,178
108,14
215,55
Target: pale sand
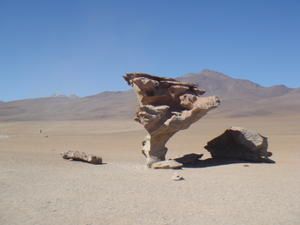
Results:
x,y
38,187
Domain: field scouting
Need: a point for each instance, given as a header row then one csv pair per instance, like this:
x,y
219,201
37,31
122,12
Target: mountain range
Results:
x,y
239,98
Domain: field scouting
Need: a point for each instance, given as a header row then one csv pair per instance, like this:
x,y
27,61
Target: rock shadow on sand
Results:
x,y
192,161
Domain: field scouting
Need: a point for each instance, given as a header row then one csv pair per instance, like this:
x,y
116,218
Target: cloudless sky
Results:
x,y
85,46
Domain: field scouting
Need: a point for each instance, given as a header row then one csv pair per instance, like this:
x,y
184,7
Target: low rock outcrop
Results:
x,y
240,144
166,106
82,156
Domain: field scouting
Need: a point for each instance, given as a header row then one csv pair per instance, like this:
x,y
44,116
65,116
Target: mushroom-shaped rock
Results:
x,y
166,106
240,144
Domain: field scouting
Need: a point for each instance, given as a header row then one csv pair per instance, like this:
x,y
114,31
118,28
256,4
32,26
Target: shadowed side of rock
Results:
x,y
239,143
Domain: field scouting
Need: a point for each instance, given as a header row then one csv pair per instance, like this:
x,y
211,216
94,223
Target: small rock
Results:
x,y
167,164
177,177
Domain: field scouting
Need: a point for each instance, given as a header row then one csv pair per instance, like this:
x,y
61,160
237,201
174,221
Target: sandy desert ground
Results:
x,y
38,187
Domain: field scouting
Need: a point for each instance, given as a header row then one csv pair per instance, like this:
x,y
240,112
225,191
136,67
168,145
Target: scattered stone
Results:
x,y
81,156
240,143
177,177
166,106
167,164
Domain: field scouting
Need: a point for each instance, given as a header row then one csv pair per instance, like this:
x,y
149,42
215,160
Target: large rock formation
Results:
x,y
239,143
165,107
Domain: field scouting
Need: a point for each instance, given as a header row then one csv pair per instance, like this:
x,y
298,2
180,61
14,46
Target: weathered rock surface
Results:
x,y
240,143
166,106
167,164
81,156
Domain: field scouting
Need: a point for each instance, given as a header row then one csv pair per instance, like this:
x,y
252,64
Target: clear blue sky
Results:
x,y
85,46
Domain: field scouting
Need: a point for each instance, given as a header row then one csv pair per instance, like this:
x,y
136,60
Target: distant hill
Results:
x,y
246,98
100,106
216,83
239,98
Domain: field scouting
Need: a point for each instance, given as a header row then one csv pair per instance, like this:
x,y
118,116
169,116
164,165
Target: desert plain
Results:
x,y
37,186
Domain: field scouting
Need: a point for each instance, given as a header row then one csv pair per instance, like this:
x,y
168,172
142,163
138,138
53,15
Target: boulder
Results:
x,y
238,143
